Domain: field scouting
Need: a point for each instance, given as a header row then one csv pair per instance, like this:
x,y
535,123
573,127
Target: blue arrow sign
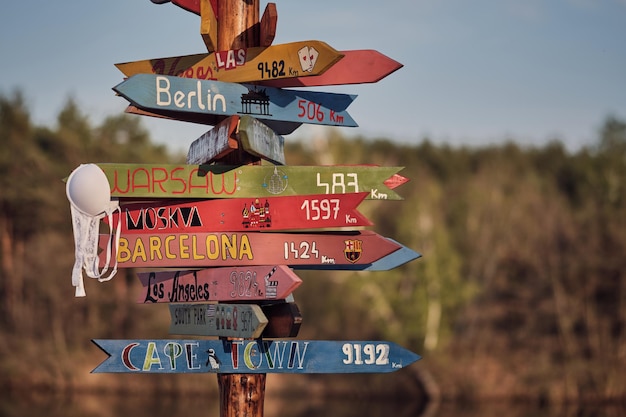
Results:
x,y
186,96
252,356
395,259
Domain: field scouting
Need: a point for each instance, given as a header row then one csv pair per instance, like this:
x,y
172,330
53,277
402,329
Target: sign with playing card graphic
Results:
x,y
308,57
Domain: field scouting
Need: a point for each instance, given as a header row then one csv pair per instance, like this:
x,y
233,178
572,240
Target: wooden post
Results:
x,y
238,24
241,395
238,27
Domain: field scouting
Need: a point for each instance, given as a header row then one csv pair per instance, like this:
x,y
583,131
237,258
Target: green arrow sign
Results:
x,y
220,181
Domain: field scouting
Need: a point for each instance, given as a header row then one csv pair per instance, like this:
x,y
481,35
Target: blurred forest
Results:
x,y
520,294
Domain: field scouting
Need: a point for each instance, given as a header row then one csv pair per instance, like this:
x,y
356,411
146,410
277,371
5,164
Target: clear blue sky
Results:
x,y
475,72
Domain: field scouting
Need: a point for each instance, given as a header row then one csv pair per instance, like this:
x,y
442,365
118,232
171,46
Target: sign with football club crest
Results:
x,y
353,250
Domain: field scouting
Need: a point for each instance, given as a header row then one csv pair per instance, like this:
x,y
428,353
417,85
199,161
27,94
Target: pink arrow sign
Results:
x,y
356,67
253,283
243,214
306,250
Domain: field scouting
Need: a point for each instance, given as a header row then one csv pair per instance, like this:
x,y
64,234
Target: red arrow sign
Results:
x,y
186,250
244,214
253,283
356,67
193,6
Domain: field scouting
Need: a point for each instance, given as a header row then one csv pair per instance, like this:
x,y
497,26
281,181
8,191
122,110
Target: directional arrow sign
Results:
x,y
258,181
252,356
267,25
215,143
243,214
245,321
356,67
253,283
182,250
297,59
280,127
386,263
256,138
260,140
201,98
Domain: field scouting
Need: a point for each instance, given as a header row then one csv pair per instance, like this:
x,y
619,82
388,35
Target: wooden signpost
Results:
x,y
257,181
208,10
245,321
215,226
244,65
243,214
216,98
229,284
348,250
252,356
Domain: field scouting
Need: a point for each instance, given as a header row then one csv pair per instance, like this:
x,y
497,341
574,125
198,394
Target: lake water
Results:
x,y
92,405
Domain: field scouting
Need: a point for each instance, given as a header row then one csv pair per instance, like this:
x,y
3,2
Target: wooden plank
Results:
x,y
283,320
216,143
268,23
268,214
260,140
295,59
252,356
256,138
280,127
245,321
181,250
230,284
356,67
201,97
208,23
212,181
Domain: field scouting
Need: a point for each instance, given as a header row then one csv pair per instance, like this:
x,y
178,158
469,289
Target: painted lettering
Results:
x,y
155,291
182,290
230,59
278,354
188,99
340,183
184,246
161,182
